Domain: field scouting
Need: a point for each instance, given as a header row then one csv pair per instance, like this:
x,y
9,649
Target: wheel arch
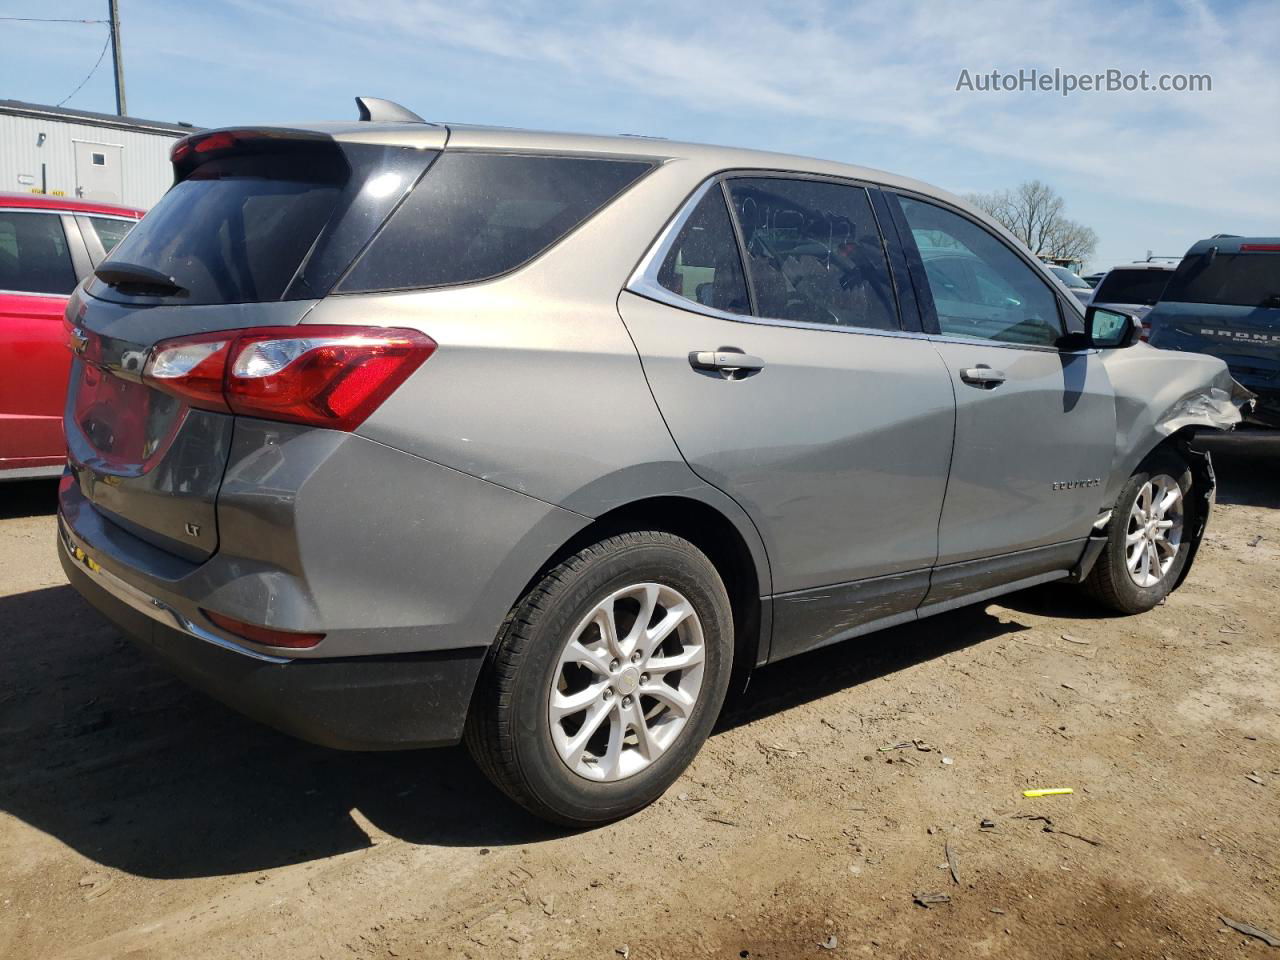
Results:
x,y
732,544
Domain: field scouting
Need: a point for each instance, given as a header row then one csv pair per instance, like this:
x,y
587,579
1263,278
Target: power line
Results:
x,y
48,20
96,64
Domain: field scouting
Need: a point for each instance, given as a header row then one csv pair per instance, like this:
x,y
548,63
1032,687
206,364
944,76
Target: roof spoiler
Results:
x,y
377,109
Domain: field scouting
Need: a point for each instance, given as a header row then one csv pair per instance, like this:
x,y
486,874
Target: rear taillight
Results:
x,y
1260,248
264,635
324,376
1144,331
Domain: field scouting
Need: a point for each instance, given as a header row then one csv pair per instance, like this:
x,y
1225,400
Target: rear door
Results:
x,y
36,275
787,381
1035,426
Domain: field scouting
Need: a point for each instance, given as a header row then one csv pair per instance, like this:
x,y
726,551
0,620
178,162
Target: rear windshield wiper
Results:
x,y
137,279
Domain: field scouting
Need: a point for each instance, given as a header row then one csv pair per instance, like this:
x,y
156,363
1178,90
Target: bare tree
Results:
x,y
1033,212
1070,240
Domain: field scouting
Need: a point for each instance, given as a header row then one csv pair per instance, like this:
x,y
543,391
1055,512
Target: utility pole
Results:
x,y
114,14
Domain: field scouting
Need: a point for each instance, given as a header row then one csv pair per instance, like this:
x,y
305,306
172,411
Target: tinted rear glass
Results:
x,y
1132,286
236,230
475,216
1243,279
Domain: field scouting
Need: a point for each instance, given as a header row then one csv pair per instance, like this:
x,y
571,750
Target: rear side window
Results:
x,y
110,231
476,215
814,253
33,254
236,229
1133,286
703,264
1242,279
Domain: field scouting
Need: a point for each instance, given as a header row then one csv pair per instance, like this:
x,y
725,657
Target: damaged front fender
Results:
x,y
1162,392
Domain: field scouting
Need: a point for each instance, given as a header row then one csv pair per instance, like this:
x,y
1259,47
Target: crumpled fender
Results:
x,y
1158,393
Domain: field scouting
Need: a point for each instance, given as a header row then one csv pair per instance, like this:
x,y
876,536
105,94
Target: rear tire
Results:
x,y
1148,537
574,653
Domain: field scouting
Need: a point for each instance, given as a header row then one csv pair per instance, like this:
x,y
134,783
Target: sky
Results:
x,y
866,83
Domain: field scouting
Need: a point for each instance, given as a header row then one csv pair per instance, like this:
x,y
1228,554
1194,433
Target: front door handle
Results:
x,y
983,376
728,361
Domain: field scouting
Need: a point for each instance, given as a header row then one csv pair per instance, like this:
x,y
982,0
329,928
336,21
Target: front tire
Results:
x,y
605,679
1149,537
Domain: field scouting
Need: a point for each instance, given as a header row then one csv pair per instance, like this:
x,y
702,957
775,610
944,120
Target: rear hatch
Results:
x,y
258,226
1225,301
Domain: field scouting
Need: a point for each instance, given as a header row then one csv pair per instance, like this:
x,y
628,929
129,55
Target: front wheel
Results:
x,y
1149,537
605,679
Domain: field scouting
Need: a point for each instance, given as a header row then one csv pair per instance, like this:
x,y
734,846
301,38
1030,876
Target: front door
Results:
x,y
99,171
1035,426
798,395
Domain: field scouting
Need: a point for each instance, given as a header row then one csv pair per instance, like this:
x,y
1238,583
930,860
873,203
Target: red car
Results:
x,y
47,246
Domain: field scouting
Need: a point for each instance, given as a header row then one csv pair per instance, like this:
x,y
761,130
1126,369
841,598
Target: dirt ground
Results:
x,y
139,820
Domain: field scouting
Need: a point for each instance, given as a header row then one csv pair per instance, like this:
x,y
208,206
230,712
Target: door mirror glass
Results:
x,y
1110,328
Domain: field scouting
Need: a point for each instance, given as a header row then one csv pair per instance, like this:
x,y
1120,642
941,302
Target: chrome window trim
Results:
x,y
643,281
150,606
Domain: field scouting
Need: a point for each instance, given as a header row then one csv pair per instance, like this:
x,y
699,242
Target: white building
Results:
x,y
77,153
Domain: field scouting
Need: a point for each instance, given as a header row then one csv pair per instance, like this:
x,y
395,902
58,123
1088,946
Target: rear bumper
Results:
x,y
349,703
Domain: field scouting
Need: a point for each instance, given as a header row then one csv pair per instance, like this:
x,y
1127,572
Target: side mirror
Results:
x,y
1110,328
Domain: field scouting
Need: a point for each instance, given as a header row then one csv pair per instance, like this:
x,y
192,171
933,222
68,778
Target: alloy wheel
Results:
x,y
627,681
1154,532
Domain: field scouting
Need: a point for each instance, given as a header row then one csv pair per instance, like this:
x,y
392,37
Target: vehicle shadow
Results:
x,y
28,498
104,750
1247,465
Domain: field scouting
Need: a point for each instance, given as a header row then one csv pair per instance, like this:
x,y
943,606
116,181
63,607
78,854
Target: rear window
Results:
x,y
236,229
1242,279
475,216
1132,286
110,231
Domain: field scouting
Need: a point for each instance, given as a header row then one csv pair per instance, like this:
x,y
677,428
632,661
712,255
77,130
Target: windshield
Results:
x,y
1244,279
1069,278
1132,286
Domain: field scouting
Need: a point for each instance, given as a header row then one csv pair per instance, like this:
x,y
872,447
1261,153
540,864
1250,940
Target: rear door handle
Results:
x,y
726,361
983,376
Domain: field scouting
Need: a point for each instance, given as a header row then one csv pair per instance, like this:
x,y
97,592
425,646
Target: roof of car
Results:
x,y
479,137
41,201
1146,265
1231,244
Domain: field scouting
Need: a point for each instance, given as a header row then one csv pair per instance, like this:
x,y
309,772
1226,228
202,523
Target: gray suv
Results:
x,y
393,434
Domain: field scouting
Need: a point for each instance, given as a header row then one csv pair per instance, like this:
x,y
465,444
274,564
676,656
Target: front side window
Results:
x,y
33,254
703,264
980,287
814,252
